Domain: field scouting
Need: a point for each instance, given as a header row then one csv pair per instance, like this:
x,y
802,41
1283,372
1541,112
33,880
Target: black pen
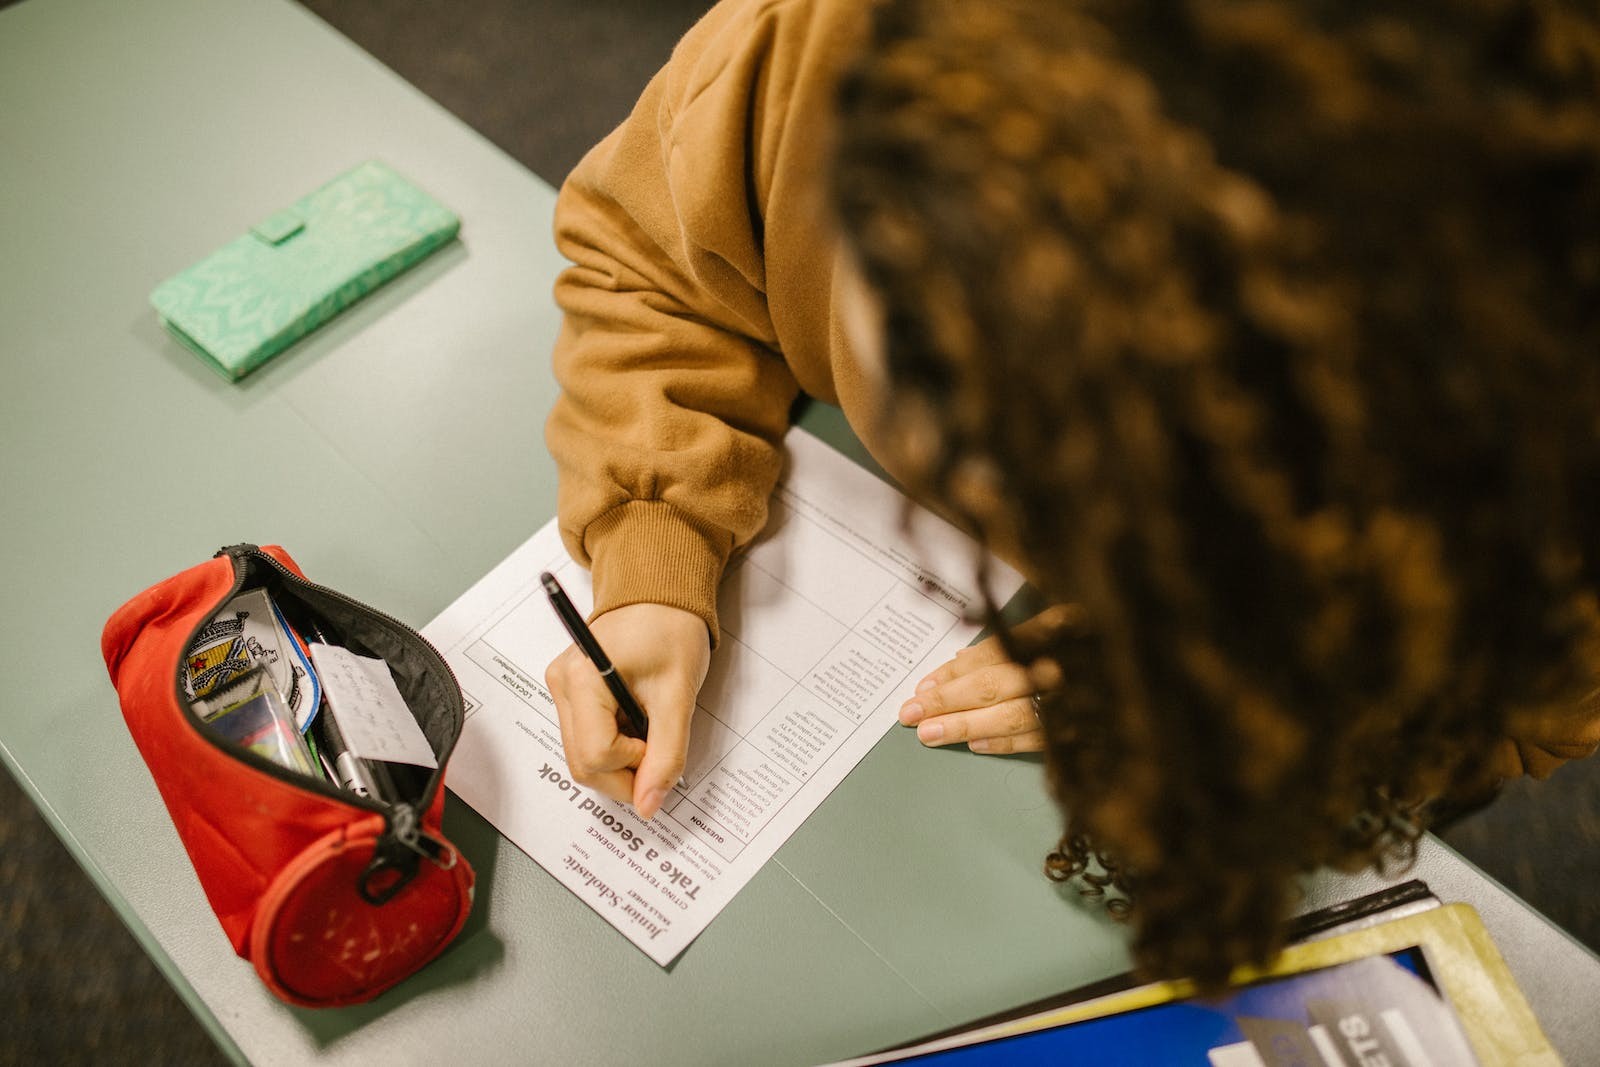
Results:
x,y
583,637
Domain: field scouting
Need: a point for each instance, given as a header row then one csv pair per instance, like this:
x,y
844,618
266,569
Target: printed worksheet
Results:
x,y
829,619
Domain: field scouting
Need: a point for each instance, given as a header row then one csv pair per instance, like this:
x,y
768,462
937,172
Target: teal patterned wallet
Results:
x,y
300,267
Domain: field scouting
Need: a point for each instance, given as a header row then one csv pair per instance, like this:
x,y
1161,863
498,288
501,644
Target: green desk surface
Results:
x,y
398,455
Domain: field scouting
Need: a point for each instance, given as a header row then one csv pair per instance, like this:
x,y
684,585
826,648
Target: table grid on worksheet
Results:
x,y
718,741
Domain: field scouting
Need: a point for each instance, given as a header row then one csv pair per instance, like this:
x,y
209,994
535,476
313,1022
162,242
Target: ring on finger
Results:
x,y
1037,700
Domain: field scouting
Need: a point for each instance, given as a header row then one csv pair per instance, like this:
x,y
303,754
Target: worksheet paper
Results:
x,y
829,619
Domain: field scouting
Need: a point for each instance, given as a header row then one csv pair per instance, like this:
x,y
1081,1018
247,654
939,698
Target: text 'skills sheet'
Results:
x,y
828,621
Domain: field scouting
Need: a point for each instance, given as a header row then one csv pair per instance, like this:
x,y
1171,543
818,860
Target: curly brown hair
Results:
x,y
1276,325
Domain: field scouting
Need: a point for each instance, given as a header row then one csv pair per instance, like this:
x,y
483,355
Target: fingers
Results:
x,y
1010,726
663,762
663,652
974,659
598,754
1007,719
978,695
976,686
983,700
986,653
1031,741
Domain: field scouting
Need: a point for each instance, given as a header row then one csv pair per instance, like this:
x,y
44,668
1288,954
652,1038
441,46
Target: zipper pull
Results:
x,y
244,548
406,829
394,861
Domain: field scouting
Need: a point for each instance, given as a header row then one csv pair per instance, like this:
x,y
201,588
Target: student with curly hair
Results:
x,y
1262,335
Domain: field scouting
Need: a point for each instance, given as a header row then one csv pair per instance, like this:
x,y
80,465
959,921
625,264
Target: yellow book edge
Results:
x,y
1493,1013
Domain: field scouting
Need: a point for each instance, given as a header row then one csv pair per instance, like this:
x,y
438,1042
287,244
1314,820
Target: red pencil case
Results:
x,y
333,897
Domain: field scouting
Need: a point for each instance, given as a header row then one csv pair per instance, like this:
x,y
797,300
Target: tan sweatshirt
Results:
x,y
702,297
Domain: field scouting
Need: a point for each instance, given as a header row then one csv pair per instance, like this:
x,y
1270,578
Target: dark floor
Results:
x,y
543,79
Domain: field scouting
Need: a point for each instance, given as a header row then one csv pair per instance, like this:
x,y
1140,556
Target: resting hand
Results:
x,y
983,699
662,653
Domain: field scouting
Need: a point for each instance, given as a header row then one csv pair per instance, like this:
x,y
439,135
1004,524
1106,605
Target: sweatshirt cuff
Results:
x,y
650,552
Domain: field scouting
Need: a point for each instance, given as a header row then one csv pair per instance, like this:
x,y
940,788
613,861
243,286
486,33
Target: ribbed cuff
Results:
x,y
650,552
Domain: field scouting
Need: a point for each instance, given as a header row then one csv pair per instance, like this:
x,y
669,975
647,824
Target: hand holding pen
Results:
x,y
663,652
583,637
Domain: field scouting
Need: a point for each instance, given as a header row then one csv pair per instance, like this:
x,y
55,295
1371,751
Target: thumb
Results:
x,y
665,755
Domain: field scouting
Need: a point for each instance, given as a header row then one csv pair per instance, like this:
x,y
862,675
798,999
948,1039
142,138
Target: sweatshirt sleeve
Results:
x,y
667,434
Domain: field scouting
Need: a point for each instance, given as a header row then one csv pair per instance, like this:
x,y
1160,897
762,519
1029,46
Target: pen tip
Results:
x,y
549,582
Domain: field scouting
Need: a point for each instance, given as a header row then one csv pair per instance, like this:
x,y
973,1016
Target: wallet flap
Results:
x,y
301,266
279,226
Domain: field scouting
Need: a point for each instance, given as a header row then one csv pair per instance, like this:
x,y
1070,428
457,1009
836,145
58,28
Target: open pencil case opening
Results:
x,y
332,896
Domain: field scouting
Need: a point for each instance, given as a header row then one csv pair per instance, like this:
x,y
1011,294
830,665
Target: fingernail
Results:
x,y
980,745
650,803
926,684
929,732
911,713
